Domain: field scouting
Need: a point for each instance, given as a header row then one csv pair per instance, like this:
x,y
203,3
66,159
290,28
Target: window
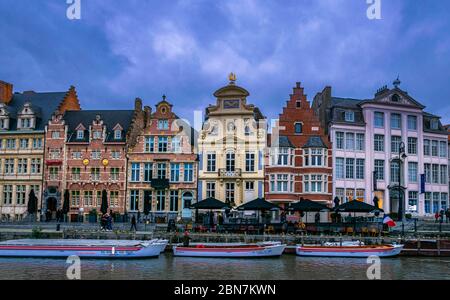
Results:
x,y
360,194
134,200
9,166
247,130
349,141
435,174
77,155
149,144
160,200
114,174
379,119
53,173
339,168
435,202
396,121
434,148
173,206
360,140
188,172
412,201
314,157
55,154
379,169
395,144
88,198
7,194
229,192
115,154
444,199
427,173
379,142
395,172
117,134
162,144
75,199
443,172
25,123
428,203
163,124
230,161
250,162
211,162
443,149
412,172
210,190
412,123
114,198
37,143
135,172
96,154
20,194
10,144
22,166
99,198
95,174
340,194
298,128
23,144
349,168
395,98
174,172
176,144
80,134
97,134
161,170
282,183
360,165
339,140
412,145
55,134
434,124
314,183
148,172
76,172
349,195
283,157
349,116
249,185
426,147
35,166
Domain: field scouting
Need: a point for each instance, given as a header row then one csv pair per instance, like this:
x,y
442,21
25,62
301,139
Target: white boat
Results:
x,y
349,250
232,250
82,248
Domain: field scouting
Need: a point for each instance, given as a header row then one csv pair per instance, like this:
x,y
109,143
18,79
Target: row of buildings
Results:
x,y
353,149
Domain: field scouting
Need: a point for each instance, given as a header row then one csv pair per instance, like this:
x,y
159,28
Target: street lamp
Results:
x,y
401,199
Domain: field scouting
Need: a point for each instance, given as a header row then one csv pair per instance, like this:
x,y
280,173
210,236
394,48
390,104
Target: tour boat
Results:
x,y
267,249
82,248
349,250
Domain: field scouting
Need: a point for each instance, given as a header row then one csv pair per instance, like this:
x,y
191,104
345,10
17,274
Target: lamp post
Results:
x,y
401,197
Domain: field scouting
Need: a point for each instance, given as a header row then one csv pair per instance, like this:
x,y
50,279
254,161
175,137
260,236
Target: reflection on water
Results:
x,y
285,268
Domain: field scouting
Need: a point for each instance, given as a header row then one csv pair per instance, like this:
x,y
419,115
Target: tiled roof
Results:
x,y
315,142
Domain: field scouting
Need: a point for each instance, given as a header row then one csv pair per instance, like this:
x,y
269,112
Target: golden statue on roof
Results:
x,y
232,77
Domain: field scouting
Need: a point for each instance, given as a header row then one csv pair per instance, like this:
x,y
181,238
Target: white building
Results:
x,y
368,137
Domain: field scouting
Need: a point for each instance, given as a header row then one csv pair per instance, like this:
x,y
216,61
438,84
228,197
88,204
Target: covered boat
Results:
x,y
269,249
349,250
82,248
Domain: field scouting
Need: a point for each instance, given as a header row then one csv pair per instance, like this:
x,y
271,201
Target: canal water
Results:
x,y
287,267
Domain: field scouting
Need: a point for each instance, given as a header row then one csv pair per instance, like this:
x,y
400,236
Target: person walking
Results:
x,y
447,215
103,222
109,222
133,223
436,217
186,239
441,216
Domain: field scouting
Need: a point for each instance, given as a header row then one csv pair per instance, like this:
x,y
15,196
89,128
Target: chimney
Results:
x,y
6,92
138,104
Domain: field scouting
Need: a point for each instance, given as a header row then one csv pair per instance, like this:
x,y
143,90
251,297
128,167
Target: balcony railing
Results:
x,y
224,173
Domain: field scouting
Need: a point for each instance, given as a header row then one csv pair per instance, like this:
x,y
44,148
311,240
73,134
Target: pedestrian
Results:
x,y
447,215
109,222
133,223
436,217
103,222
441,216
186,239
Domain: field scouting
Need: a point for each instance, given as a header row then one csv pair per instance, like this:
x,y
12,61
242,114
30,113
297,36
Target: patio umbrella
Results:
x,y
210,203
258,204
306,205
104,206
357,206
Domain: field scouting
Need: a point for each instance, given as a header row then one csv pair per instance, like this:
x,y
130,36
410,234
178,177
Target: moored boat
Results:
x,y
349,250
82,248
267,249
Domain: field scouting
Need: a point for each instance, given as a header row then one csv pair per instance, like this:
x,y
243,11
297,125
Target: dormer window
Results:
x,y
80,134
117,134
3,123
350,116
395,98
26,123
434,124
163,124
97,134
247,130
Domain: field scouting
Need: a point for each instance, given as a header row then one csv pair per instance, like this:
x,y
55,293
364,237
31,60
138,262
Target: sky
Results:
x,y
120,50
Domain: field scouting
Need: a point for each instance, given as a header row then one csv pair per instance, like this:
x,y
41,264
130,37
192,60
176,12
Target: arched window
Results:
x,y
298,128
395,98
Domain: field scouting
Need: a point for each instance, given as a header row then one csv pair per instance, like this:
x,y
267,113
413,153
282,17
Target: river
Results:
x,y
169,267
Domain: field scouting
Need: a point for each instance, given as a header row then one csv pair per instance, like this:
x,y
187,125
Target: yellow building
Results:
x,y
231,148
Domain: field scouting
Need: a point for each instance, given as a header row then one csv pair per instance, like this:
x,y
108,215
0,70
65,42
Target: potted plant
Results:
x,y
93,214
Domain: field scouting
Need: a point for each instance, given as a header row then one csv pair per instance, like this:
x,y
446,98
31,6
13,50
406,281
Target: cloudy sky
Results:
x,y
120,50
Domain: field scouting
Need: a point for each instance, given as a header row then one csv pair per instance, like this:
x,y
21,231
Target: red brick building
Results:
x,y
299,160
85,153
162,165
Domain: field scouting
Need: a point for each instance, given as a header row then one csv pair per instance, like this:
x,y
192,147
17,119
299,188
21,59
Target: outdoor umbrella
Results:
x,y
66,204
32,203
104,207
357,206
259,204
210,204
305,205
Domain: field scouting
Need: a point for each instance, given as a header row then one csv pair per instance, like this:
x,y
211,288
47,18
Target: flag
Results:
x,y
389,222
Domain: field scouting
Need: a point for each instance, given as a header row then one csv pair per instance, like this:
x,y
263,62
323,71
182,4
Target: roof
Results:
x,y
283,142
315,142
346,102
43,104
110,119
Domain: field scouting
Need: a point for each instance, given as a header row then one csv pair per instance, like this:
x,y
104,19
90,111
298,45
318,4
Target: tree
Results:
x,y
104,207
32,203
66,204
